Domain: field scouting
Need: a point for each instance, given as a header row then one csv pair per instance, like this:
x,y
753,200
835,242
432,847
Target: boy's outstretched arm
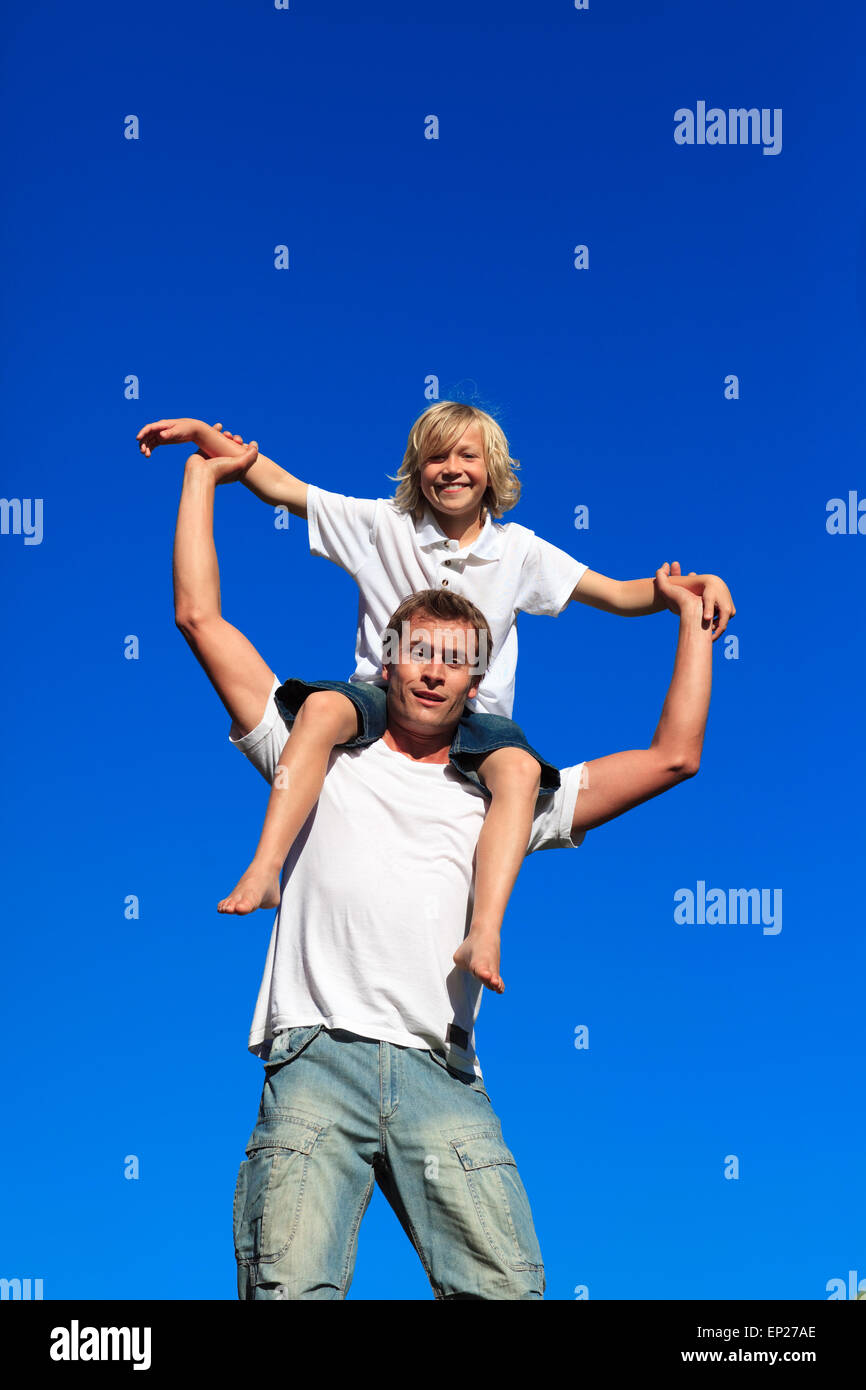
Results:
x,y
265,478
614,784
632,598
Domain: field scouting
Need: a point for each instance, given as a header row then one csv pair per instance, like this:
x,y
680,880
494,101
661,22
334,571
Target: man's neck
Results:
x,y
421,748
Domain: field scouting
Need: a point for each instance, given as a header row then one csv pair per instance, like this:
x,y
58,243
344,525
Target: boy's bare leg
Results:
x,y
512,777
325,718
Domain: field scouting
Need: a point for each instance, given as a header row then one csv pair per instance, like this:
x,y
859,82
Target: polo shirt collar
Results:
x,y
486,546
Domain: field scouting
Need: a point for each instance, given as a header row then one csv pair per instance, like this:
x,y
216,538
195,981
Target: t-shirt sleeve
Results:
x,y
264,744
548,578
342,529
551,825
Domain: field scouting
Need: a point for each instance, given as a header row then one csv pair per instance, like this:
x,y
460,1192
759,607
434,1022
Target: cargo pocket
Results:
x,y
270,1187
499,1198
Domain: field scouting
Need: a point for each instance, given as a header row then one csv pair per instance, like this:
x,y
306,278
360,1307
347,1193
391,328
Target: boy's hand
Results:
x,y
167,432
183,431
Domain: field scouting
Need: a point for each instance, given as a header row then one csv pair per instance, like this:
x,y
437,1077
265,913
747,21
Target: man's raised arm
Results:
x,y
237,672
614,784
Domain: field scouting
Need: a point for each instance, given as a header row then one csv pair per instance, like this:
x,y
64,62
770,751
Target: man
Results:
x,y
364,1024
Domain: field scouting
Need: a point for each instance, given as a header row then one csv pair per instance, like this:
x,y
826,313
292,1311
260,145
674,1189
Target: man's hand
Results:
x,y
225,468
718,603
677,597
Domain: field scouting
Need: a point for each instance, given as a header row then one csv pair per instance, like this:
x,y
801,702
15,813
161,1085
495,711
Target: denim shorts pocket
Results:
x,y
466,1078
499,1198
288,1044
271,1182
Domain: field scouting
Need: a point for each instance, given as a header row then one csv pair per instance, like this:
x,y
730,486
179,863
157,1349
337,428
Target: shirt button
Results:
x,y
444,583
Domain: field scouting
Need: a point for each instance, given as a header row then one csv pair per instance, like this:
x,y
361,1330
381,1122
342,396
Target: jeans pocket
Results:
x,y
470,1079
289,1044
499,1198
270,1185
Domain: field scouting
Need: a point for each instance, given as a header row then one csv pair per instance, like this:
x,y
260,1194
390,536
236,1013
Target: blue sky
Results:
x,y
154,259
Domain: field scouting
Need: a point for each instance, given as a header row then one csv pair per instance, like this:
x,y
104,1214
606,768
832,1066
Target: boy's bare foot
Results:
x,y
257,888
479,954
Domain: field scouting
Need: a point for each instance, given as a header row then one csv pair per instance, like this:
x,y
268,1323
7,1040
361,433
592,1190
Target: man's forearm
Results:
x,y
195,568
679,734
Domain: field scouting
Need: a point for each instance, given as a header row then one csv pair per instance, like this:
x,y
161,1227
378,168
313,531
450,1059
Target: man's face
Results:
x,y
455,482
433,674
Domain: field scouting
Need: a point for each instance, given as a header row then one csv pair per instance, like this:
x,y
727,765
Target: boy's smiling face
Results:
x,y
454,483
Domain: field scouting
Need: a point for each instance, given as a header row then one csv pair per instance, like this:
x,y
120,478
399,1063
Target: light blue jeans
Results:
x,y
340,1112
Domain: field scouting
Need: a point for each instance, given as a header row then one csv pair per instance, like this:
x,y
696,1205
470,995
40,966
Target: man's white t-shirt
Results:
x,y
390,555
377,896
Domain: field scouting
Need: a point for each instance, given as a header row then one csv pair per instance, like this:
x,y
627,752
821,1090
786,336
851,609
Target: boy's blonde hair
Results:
x,y
435,432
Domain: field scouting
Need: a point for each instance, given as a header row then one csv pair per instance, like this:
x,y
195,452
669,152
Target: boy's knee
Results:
x,y
330,715
512,770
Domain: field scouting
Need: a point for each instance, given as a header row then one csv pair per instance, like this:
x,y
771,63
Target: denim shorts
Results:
x,y
475,735
340,1112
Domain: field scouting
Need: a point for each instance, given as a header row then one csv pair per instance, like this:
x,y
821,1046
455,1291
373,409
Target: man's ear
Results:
x,y
386,672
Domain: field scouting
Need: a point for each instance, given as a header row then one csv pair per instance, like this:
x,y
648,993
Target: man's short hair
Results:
x,y
441,605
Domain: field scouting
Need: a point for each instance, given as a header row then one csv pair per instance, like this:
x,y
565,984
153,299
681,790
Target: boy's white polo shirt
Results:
x,y
506,570
376,896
